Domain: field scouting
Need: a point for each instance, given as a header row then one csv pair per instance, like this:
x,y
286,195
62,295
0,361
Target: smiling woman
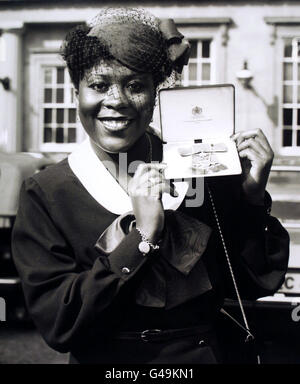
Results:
x,y
114,267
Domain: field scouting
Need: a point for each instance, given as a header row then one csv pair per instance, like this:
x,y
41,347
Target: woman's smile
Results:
x,y
115,124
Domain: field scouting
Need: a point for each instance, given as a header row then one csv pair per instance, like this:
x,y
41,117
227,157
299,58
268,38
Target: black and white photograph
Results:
x,y
149,185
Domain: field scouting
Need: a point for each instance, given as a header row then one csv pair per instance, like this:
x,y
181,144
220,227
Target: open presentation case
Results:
x,y
196,125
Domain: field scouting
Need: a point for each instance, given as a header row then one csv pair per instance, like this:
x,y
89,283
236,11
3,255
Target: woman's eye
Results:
x,y
100,87
135,87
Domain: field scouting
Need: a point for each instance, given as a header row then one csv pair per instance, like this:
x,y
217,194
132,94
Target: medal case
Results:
x,y
196,125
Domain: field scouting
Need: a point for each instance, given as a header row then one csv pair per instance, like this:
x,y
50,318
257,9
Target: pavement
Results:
x,y
21,344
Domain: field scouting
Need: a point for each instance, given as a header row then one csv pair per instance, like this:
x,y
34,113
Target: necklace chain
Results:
x,y
229,263
150,148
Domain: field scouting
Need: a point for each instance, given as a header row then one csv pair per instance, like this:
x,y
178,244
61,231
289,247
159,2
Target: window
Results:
x,y
290,108
208,37
285,38
58,111
207,64
53,122
199,71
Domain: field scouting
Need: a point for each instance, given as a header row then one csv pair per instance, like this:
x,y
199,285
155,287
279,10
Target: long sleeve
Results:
x,y
264,250
258,246
67,304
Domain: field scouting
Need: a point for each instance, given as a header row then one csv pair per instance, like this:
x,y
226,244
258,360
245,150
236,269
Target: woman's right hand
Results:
x,y
146,189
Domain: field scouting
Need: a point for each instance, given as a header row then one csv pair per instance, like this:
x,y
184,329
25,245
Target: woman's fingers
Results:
x,y
255,145
149,181
158,189
238,137
143,168
152,191
257,134
150,177
255,158
256,140
145,190
249,153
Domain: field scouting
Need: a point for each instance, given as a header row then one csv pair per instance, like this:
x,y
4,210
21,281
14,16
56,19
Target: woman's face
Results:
x,y
115,105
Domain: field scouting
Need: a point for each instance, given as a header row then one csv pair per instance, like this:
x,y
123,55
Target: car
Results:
x,y
14,169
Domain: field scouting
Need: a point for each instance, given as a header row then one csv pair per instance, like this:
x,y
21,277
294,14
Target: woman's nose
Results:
x,y
115,98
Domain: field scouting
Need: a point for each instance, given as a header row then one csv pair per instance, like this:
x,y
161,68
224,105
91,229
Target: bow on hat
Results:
x,y
178,47
140,46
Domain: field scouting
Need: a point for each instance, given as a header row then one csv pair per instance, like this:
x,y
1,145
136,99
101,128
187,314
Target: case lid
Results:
x,y
191,113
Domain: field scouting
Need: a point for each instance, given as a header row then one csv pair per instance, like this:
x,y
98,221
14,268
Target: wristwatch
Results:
x,y
145,246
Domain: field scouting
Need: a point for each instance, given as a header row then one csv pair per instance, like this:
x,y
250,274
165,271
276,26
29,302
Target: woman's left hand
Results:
x,y
256,158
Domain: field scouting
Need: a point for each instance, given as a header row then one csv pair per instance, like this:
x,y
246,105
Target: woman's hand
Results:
x,y
146,189
256,159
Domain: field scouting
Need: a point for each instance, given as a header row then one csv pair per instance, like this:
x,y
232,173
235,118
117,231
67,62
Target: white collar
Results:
x,y
104,188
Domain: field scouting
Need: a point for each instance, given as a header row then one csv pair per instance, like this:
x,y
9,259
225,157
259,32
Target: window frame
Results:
x,y
217,32
282,28
295,83
37,62
199,60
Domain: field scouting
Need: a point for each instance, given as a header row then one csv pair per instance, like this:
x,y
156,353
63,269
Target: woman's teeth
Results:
x,y
115,124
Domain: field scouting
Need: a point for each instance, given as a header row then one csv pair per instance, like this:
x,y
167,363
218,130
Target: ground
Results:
x,y
21,344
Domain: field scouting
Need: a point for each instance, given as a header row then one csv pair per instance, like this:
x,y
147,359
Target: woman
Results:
x,y
111,271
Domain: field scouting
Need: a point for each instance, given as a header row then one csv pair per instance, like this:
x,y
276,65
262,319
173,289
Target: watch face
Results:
x,y
144,247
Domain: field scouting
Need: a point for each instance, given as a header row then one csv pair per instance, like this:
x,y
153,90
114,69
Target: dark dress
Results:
x,y
79,299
